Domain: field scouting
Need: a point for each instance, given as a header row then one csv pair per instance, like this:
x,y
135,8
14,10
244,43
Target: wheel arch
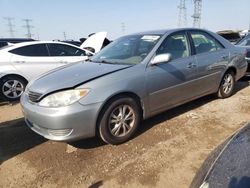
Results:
x,y
233,69
15,75
117,95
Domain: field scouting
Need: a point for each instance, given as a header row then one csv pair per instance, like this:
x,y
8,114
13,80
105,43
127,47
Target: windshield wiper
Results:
x,y
104,61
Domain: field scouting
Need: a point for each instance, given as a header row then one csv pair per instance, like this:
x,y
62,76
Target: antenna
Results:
x,y
197,13
10,25
182,18
28,27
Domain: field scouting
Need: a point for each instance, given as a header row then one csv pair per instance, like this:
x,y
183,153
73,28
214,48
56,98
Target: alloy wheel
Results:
x,y
12,89
121,120
228,83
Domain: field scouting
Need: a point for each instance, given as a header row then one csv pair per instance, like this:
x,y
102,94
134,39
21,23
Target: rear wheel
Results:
x,y
119,120
12,87
227,85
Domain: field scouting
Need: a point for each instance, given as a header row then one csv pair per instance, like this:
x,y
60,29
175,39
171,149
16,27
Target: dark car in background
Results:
x,y
228,165
245,42
5,41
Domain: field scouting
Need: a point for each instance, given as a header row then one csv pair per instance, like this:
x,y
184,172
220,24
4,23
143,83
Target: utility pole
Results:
x,y
10,26
197,13
182,19
28,27
123,27
249,24
64,35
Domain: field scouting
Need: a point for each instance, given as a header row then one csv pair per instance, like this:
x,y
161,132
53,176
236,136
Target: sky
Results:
x,y
78,18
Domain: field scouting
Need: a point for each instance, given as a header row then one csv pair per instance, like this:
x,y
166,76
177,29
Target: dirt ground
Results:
x,y
166,152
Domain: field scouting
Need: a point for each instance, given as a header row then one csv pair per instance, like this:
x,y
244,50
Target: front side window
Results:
x,y
177,45
65,50
35,50
127,50
203,42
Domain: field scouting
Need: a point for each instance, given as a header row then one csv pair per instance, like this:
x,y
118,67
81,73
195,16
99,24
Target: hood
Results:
x,y
72,76
95,41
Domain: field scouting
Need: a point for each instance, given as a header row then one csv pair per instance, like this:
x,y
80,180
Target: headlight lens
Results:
x,y
63,98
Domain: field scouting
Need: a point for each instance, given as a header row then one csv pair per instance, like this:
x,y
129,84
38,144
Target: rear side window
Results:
x,y
36,50
203,42
65,50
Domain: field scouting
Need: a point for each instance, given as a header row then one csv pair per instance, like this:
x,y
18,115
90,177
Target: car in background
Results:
x,y
6,41
245,42
230,35
133,78
73,42
228,165
22,62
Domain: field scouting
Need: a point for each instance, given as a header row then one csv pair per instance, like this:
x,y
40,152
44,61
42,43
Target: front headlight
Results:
x,y
63,98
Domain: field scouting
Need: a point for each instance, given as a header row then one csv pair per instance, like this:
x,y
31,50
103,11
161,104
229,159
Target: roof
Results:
x,y
165,31
38,42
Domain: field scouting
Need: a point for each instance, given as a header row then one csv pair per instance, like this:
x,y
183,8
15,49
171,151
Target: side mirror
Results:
x,y
162,58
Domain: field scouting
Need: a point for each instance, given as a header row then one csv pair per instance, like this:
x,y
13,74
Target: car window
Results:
x,y
32,50
245,41
65,50
176,45
203,42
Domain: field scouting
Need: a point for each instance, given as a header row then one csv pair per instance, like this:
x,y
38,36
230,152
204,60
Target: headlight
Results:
x,y
63,98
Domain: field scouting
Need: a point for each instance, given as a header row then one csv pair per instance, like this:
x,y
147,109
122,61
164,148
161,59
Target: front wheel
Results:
x,y
227,85
12,87
119,120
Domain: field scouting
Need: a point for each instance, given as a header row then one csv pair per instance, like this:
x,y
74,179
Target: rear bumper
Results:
x,y
68,123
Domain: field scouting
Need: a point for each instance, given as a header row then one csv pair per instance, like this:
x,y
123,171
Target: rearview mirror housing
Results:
x,y
162,58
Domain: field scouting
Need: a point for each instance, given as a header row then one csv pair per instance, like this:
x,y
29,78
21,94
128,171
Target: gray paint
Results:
x,y
159,87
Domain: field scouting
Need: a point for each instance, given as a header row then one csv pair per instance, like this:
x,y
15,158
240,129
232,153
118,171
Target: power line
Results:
x,y
28,26
10,25
182,19
197,13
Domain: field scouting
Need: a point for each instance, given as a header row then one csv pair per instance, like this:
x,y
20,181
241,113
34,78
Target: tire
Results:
x,y
12,87
114,128
227,85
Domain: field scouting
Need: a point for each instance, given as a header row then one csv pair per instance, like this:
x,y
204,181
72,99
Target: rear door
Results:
x,y
64,54
212,58
32,60
171,83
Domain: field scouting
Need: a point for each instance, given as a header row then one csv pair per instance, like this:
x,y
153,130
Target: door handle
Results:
x,y
64,62
19,61
224,57
191,65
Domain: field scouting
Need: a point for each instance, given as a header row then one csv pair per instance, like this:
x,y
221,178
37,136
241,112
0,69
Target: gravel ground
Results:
x,y
167,151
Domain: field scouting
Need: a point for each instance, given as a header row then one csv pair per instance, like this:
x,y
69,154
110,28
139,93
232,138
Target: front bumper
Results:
x,y
68,123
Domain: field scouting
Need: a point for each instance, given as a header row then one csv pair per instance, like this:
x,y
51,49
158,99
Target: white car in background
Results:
x,y
19,63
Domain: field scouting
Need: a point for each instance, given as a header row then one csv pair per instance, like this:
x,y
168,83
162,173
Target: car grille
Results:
x,y
33,96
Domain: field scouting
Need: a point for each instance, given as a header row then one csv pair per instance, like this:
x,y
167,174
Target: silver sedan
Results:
x,y
133,78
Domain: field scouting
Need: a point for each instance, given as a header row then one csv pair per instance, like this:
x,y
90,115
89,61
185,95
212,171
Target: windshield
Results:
x,y
127,50
245,41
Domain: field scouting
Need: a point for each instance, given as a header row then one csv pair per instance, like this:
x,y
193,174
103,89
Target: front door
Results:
x,y
171,83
